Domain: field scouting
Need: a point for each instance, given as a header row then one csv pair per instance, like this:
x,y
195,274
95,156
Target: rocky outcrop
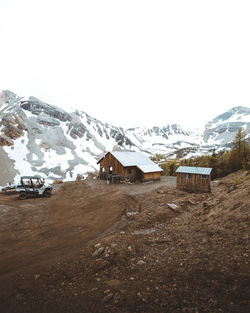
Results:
x,y
6,141
7,170
10,127
77,129
46,120
36,107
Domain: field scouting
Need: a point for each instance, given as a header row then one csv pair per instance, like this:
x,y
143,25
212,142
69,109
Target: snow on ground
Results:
x,y
236,117
18,153
79,169
52,159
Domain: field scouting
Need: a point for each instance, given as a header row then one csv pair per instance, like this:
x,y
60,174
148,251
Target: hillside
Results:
x,y
39,138
99,248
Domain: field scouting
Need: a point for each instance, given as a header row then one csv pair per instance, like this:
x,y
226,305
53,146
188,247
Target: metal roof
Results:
x,y
149,168
136,159
194,170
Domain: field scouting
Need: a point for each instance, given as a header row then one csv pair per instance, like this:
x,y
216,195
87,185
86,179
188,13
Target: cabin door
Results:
x,y
139,175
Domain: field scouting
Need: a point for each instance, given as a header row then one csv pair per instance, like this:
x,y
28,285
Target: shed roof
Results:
x,y
194,170
136,159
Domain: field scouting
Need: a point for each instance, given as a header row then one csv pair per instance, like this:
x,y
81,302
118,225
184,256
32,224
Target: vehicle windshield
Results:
x,y
32,182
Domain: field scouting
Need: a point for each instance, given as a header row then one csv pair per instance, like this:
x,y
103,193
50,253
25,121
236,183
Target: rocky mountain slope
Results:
x,y
222,129
39,138
43,139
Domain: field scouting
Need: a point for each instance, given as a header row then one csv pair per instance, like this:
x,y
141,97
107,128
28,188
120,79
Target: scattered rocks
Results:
x,y
144,231
131,213
98,252
215,183
107,298
36,276
205,205
173,207
160,192
141,262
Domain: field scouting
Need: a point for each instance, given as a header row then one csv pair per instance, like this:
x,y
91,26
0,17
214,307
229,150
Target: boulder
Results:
x,y
173,207
98,252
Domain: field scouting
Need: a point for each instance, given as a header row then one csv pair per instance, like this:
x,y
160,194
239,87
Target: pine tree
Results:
x,y
239,142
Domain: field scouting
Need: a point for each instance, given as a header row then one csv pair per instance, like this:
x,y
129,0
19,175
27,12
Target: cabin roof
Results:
x,y
194,170
136,159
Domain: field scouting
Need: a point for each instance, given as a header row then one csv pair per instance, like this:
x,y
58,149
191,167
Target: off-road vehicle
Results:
x,y
33,186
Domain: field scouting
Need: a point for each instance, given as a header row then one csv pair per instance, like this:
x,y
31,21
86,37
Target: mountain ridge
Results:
x,y
44,139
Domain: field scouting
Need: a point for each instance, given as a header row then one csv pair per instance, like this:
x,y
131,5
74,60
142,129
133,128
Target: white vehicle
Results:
x,y
33,186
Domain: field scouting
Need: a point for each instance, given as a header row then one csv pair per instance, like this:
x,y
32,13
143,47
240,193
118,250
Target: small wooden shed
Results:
x,y
131,166
195,179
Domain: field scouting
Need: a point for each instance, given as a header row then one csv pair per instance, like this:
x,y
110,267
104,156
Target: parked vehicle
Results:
x,y
33,186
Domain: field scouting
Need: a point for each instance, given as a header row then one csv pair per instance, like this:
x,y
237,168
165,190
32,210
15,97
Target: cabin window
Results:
x,y
130,171
204,176
110,169
103,169
187,176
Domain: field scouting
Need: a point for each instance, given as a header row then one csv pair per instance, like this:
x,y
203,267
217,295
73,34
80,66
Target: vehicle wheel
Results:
x,y
47,193
23,195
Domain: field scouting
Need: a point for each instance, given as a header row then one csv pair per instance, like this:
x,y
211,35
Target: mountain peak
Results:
x,y
236,113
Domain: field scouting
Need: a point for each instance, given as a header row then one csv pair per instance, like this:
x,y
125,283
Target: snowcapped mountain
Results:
x,y
38,138
43,139
163,140
222,129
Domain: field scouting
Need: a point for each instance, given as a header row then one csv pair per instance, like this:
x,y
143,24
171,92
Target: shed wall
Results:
x,y
195,183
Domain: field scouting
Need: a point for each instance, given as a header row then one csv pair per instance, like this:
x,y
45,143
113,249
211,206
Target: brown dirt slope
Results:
x,y
92,248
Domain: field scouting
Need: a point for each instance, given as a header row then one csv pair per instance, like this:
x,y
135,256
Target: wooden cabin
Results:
x,y
132,166
194,179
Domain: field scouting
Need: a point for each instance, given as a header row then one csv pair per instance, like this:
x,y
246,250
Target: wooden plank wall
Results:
x,y
151,176
109,161
195,183
117,168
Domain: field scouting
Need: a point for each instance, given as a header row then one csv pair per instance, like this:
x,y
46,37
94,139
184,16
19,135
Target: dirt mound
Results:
x,y
160,251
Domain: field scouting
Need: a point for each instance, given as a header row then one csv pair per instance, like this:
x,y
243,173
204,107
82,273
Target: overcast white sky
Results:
x,y
131,62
